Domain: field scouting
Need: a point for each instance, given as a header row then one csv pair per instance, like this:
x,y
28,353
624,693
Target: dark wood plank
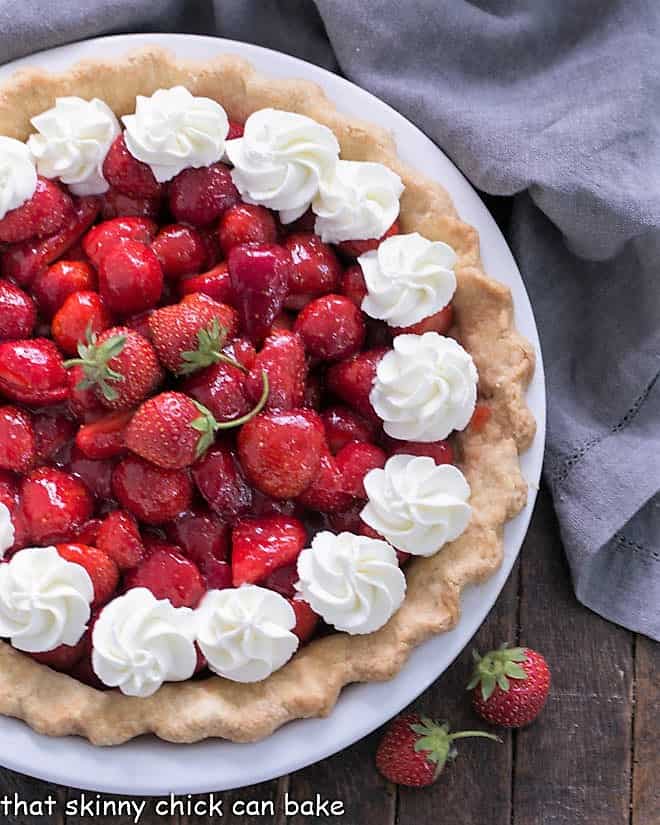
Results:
x,y
477,788
646,734
253,805
20,791
573,764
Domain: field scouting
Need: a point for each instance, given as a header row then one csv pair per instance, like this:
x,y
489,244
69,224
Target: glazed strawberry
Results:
x,y
282,358
168,575
119,537
32,372
202,537
219,478
53,285
221,389
352,380
217,574
510,686
128,174
414,749
261,545
190,335
282,580
315,269
440,451
260,277
43,214
244,223
180,249
242,351
313,392
80,314
281,451
201,196
480,416
353,285
356,248
118,205
215,283
64,657
440,322
18,315
284,320
101,568
331,327
108,234
355,460
235,130
120,364
130,278
89,532
18,449
263,505
306,620
326,492
150,493
22,262
105,437
95,474
53,432
84,403
348,520
342,426
54,503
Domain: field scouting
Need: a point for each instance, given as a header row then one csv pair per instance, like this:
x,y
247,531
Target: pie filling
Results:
x,y
229,392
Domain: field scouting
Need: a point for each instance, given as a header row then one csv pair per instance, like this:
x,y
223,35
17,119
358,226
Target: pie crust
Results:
x,y
309,685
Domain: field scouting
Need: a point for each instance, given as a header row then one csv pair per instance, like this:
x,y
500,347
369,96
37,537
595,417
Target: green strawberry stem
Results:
x,y
466,734
436,741
94,358
208,426
496,668
210,342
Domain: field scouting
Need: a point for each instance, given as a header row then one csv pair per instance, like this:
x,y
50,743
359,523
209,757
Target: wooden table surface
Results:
x,y
592,756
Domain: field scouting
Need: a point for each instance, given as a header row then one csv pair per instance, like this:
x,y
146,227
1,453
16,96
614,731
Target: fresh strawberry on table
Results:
x,y
415,749
261,545
509,685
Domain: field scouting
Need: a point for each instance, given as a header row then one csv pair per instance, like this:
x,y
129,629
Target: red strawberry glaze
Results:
x,y
130,278
152,494
243,224
355,460
129,175
215,283
221,388
169,575
315,268
282,358
18,314
181,250
44,213
106,235
342,426
261,545
95,474
81,312
54,431
53,285
101,568
119,537
18,448
105,437
32,372
220,480
201,196
201,535
353,249
54,503
331,328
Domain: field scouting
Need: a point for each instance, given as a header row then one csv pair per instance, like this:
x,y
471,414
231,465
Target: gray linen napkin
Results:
x,y
557,105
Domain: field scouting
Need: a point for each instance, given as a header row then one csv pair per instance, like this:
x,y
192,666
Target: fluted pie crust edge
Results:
x,y
309,685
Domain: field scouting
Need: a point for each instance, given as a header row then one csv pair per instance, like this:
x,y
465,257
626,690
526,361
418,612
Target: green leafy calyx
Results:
x,y
496,668
210,342
95,359
435,740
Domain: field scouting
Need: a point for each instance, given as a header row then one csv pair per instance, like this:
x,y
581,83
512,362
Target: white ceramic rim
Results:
x,y
148,766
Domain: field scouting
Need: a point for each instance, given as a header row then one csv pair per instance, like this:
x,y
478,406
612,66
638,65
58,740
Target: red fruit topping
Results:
x,y
315,268
95,474
201,196
266,506
313,392
441,452
221,389
44,213
342,426
260,277
140,323
22,262
180,249
284,320
128,174
326,492
121,365
281,451
353,285
80,313
353,379
32,372
191,334
105,437
202,537
53,285
130,278
306,620
64,657
215,283
356,248
119,537
347,521
282,358
331,327
55,504
355,460
220,480
282,580
88,533
84,403
118,205
17,440
101,568
244,223
440,322
18,314
53,431
235,130
168,575
261,545
217,574
480,416
109,234
243,351
152,494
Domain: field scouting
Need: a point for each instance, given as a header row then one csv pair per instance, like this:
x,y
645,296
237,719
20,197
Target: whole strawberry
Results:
x,y
415,749
120,364
509,686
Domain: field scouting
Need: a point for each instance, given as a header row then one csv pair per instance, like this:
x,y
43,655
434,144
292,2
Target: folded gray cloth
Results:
x,y
557,105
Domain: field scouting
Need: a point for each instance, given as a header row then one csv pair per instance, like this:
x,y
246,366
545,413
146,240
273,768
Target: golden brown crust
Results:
x,y
309,685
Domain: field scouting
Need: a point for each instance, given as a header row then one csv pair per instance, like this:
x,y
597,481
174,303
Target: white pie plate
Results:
x,y
148,766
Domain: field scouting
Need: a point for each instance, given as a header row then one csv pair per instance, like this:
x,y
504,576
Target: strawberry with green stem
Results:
x,y
211,341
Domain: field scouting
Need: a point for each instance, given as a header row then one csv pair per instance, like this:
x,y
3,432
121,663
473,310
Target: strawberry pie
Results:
x,y
260,407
